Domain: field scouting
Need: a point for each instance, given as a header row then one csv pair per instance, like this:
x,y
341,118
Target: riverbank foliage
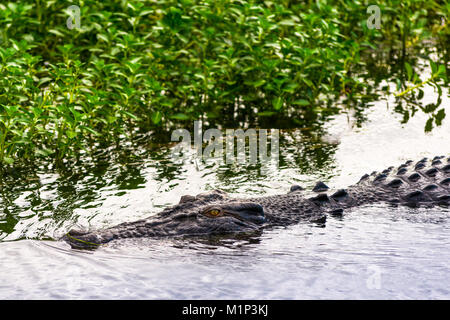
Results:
x,y
140,65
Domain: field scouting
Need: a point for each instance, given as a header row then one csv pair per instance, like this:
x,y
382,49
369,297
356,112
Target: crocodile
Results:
x,y
423,183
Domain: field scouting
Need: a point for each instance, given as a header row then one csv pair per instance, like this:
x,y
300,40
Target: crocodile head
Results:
x,y
210,213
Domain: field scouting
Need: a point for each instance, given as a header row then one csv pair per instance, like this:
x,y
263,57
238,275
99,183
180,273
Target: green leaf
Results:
x,y
429,125
308,82
420,95
256,83
266,113
90,130
301,102
440,115
430,108
287,22
71,134
409,70
277,103
44,80
56,32
180,116
132,116
102,37
433,66
156,117
8,160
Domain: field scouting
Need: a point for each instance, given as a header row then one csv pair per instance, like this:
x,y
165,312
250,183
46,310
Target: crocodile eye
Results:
x,y
214,212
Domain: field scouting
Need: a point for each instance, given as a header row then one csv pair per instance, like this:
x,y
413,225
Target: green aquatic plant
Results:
x,y
438,72
437,79
137,65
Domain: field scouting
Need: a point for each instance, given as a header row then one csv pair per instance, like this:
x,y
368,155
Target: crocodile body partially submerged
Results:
x,y
425,183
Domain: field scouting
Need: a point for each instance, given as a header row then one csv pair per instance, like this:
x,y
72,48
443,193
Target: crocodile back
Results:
x,y
426,182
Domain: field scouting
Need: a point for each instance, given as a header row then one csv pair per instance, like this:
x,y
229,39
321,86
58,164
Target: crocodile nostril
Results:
x,y
245,211
187,198
250,207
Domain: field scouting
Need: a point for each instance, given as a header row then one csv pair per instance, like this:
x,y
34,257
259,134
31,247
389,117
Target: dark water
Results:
x,y
371,252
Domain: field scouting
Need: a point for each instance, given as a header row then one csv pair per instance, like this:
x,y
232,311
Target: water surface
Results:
x,y
371,252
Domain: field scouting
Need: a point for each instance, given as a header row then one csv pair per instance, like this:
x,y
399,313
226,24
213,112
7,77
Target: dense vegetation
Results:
x,y
137,65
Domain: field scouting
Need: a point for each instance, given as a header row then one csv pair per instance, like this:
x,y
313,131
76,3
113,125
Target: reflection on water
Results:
x,y
372,252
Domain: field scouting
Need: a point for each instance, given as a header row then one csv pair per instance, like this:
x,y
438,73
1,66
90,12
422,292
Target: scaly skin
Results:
x,y
425,183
